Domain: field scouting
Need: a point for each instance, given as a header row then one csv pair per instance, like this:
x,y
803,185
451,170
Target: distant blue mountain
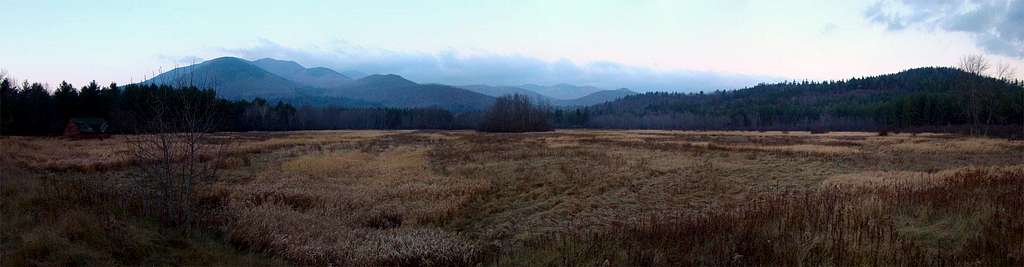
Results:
x,y
497,91
354,74
288,81
393,90
595,97
319,77
562,91
231,77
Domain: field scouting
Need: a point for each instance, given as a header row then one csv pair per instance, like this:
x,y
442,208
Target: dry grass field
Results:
x,y
573,197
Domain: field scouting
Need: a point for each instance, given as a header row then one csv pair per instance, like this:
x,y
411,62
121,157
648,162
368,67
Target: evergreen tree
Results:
x,y
66,101
8,104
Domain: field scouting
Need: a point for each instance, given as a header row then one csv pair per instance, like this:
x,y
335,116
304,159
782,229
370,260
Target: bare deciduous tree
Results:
x,y
977,65
516,113
1004,71
173,148
974,64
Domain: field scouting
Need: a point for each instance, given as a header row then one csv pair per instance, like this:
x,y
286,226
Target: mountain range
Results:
x,y
273,79
589,95
317,77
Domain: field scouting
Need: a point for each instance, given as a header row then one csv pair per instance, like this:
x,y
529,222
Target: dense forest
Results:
x,y
923,99
516,113
31,109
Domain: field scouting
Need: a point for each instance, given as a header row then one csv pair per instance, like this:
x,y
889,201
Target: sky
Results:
x,y
645,45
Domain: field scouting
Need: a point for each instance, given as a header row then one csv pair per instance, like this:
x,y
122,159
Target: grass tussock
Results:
x,y
72,220
356,208
827,150
904,178
59,154
961,145
99,155
572,197
967,217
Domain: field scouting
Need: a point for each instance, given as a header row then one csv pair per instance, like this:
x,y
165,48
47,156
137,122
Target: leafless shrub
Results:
x,y
173,149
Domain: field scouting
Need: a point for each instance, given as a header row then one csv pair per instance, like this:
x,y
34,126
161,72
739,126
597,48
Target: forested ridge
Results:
x,y
923,99
30,109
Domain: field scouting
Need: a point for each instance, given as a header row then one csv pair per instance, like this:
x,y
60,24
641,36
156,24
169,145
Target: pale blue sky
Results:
x,y
661,45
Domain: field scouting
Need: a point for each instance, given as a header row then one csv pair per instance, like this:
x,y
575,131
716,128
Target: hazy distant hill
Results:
x,y
393,90
562,91
291,82
596,98
232,78
354,74
501,90
497,91
286,80
316,77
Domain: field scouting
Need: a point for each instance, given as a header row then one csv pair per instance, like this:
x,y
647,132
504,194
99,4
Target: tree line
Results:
x,y
516,113
935,99
31,109
924,99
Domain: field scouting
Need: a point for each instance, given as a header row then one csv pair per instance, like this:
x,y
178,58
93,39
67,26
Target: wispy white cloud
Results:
x,y
996,25
180,61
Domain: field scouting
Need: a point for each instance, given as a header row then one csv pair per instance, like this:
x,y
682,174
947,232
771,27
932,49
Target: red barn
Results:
x,y
86,128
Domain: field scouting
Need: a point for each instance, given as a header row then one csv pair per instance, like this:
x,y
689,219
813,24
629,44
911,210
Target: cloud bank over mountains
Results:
x,y
460,68
997,26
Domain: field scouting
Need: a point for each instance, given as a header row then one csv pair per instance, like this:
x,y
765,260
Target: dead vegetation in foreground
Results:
x,y
970,217
560,198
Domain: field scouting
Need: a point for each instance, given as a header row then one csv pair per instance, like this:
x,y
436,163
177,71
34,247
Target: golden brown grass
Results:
x,y
357,207
62,154
460,198
959,145
967,217
904,178
71,220
89,155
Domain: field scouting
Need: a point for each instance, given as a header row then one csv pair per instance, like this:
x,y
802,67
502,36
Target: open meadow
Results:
x,y
568,197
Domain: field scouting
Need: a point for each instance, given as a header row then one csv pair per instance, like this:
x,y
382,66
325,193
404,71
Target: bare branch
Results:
x,y
1004,71
974,64
172,147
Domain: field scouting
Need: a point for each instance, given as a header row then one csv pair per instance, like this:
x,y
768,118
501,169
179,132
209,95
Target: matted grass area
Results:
x,y
569,197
